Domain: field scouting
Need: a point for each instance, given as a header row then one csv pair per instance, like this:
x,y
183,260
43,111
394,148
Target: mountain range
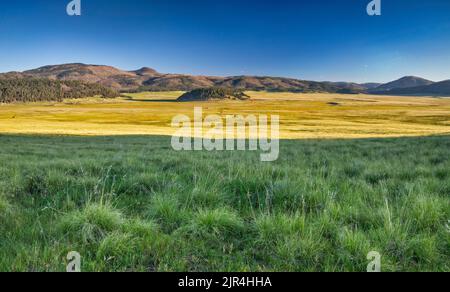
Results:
x,y
147,79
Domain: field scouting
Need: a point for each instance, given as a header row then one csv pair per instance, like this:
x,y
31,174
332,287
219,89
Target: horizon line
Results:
x,y
221,76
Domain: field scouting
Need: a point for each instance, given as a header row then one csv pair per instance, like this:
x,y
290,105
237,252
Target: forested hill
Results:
x,y
98,78
33,90
147,79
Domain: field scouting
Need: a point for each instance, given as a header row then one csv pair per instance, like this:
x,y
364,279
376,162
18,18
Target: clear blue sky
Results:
x,y
316,39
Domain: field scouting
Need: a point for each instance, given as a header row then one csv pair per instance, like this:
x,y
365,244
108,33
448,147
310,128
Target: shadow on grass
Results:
x,y
149,100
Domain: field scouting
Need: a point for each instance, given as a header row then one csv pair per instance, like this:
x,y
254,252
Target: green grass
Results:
x,y
133,204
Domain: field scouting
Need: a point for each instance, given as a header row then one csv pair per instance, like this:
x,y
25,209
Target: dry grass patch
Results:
x,y
303,116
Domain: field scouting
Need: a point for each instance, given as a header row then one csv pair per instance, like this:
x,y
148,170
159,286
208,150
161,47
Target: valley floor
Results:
x,y
133,204
301,115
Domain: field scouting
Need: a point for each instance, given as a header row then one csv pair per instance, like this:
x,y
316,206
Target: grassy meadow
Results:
x,y
133,204
302,115
99,176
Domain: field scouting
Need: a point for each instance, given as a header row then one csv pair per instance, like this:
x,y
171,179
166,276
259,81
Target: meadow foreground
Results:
x,y
133,204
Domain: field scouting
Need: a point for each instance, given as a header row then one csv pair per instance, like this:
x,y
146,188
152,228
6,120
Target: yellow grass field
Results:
x,y
302,116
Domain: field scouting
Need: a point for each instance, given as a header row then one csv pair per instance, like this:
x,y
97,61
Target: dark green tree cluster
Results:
x,y
204,94
33,90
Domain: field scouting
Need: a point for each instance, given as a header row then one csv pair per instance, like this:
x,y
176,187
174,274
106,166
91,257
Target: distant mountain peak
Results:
x,y
404,82
415,79
146,71
434,89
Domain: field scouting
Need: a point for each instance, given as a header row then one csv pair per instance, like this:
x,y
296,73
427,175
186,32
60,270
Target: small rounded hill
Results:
x,y
213,94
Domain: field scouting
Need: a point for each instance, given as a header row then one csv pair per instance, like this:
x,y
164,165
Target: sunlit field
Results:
x,y
99,176
302,115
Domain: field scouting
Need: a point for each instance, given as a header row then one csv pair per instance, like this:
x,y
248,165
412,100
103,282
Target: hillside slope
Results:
x,y
405,82
435,89
147,79
34,90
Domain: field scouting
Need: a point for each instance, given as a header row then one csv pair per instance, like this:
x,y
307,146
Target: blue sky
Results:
x,y
316,40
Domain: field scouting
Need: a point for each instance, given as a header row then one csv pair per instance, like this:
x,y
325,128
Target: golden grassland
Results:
x,y
302,116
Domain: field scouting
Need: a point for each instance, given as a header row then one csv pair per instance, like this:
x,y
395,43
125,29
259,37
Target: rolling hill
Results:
x,y
214,93
434,89
104,75
355,86
405,82
147,79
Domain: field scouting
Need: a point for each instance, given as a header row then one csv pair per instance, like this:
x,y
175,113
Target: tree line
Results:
x,y
33,90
